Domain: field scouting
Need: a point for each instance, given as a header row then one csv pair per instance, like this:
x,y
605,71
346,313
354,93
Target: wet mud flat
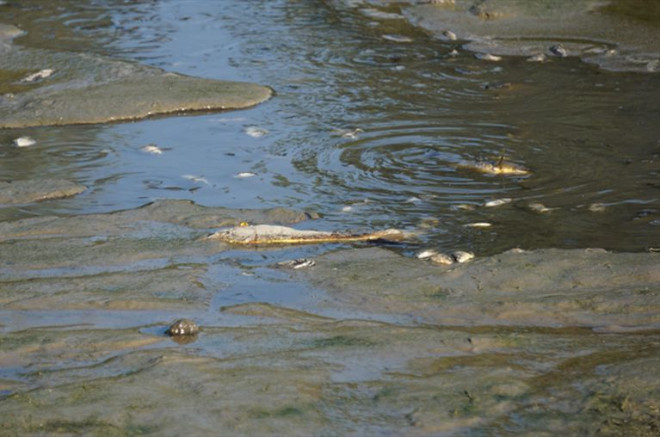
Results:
x,y
537,342
365,340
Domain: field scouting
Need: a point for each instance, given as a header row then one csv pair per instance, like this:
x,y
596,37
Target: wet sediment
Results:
x,y
542,341
539,342
83,88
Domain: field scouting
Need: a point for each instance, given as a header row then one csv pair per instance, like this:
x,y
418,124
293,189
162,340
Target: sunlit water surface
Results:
x,y
369,124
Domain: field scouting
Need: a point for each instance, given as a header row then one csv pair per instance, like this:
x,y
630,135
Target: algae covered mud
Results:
x,y
120,316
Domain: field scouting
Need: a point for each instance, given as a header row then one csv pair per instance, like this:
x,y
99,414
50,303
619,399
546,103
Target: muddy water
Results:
x,y
370,124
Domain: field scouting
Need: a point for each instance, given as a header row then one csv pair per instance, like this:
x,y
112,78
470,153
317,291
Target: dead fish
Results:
x,y
39,75
536,58
442,258
273,234
152,149
24,142
426,253
457,257
348,133
299,263
558,50
194,178
539,208
397,38
498,202
478,225
500,167
461,256
487,57
463,207
448,34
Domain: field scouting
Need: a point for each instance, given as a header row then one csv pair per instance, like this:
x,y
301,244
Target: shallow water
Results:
x,y
369,125
419,111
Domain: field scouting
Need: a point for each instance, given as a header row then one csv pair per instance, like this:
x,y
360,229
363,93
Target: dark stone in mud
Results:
x,y
181,327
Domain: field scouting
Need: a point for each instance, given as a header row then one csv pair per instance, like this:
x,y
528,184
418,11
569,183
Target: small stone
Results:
x,y
182,327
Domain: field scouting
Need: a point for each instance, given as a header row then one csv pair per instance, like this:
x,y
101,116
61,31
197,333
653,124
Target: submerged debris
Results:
x,y
540,57
487,57
39,75
24,142
348,133
152,149
194,178
182,327
299,263
245,174
539,208
272,234
397,38
255,132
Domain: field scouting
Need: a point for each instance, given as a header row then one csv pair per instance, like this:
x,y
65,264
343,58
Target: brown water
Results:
x,y
370,341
